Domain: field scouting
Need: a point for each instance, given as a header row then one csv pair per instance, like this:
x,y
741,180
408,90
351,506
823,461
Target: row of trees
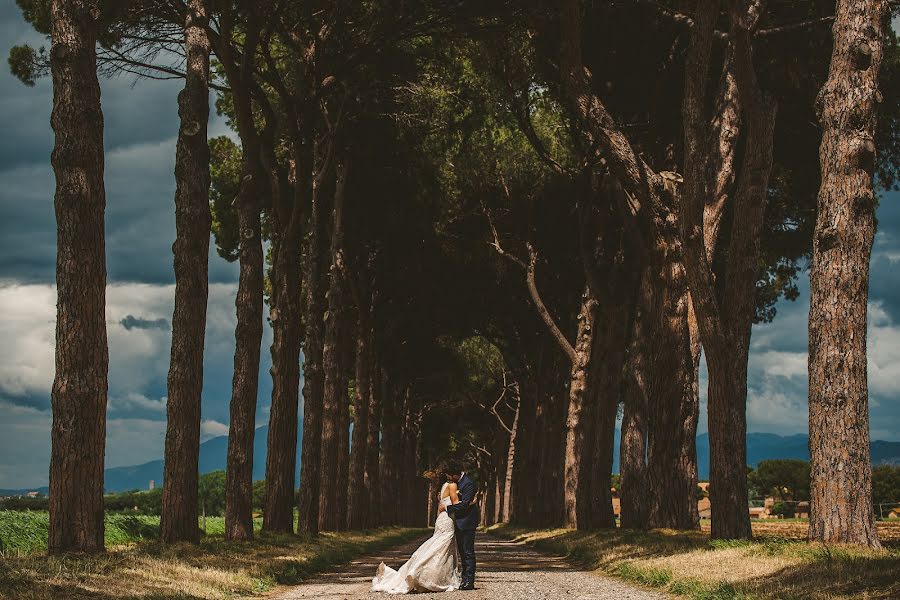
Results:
x,y
487,226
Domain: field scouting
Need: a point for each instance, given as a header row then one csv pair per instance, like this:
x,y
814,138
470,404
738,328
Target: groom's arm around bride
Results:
x,y
467,507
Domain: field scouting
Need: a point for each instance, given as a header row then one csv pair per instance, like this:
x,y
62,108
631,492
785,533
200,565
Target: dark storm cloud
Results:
x,y
28,400
141,124
131,322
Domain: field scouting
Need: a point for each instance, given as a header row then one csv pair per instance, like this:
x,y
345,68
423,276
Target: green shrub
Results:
x,y
23,531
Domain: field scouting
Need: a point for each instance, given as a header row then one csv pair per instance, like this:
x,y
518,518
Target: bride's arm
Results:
x,y
454,493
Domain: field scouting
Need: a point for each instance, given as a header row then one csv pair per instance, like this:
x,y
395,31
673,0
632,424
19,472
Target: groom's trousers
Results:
x,y
465,543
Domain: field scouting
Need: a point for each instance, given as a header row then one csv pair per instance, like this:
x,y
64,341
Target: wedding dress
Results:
x,y
431,568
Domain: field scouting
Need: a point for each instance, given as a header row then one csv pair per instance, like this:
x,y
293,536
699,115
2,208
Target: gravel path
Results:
x,y
506,571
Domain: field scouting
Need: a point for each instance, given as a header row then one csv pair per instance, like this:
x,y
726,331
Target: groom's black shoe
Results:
x,y
467,586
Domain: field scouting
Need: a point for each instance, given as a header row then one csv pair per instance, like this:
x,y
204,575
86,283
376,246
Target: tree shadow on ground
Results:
x,y
875,578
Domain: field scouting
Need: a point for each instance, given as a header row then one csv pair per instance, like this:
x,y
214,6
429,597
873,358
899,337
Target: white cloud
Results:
x,y
773,363
136,401
28,331
210,429
139,360
883,353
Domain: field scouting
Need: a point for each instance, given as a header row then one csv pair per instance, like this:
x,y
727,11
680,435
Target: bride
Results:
x,y
434,566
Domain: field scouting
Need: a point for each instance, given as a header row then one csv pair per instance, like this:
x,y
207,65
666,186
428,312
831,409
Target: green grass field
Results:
x,y
25,532
137,566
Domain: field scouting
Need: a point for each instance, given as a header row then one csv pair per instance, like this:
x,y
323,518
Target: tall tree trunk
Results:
x,y
725,306
549,500
78,435
674,409
576,485
609,351
286,223
410,497
331,359
633,495
178,519
391,446
841,494
373,440
358,486
522,488
284,315
343,479
507,503
313,374
249,299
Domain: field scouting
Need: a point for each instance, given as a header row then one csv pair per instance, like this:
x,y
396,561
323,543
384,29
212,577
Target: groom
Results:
x,y
466,516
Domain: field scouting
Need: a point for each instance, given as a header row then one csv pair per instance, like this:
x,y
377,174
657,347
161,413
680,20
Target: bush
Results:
x,y
784,510
23,531
25,503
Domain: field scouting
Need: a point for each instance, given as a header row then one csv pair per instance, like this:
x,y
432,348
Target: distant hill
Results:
x,y
40,490
213,456
213,453
763,446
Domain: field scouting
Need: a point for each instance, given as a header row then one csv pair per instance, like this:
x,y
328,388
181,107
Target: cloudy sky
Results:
x,y
141,126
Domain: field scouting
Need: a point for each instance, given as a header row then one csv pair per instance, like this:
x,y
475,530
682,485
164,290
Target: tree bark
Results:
x,y
249,299
633,495
610,346
507,503
674,410
78,435
391,448
725,313
178,519
841,501
576,485
331,359
313,374
373,440
284,315
343,479
357,516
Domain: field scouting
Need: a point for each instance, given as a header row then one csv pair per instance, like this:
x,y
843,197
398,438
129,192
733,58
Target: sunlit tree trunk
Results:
x,y
178,519
505,515
578,421
841,495
78,435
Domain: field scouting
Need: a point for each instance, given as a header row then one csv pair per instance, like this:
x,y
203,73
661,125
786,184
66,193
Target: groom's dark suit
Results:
x,y
466,517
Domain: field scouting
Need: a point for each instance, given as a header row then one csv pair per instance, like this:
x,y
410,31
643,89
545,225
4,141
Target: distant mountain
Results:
x,y
213,456
764,446
213,453
40,490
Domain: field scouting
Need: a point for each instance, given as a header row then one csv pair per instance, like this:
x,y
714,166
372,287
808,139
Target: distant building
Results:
x,y
703,507
152,485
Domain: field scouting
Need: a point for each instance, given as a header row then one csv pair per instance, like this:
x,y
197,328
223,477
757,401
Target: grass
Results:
x,y
137,567
689,564
25,532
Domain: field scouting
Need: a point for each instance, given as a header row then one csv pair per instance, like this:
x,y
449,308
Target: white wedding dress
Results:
x,y
434,567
